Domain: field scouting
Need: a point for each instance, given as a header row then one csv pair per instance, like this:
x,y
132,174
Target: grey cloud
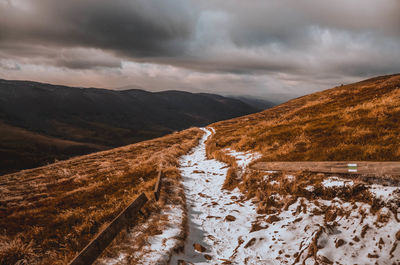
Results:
x,y
136,28
298,45
11,66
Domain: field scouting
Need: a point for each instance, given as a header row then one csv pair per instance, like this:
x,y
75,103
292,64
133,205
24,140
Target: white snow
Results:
x,y
243,159
158,247
162,244
336,182
279,240
309,188
290,177
384,193
220,221
208,207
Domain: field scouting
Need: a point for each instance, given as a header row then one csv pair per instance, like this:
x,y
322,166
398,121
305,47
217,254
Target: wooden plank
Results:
x,y
350,167
157,187
91,252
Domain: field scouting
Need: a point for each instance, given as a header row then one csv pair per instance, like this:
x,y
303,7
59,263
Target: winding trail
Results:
x,y
219,220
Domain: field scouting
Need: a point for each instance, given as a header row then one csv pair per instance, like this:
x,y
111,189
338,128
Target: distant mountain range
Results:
x,y
40,122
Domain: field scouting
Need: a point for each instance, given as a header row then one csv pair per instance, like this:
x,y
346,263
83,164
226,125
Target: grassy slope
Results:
x,y
21,147
48,214
359,121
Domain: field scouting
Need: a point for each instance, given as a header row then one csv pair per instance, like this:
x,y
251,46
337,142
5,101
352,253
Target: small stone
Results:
x,y
250,243
199,247
340,243
273,218
325,260
373,256
230,218
207,257
398,235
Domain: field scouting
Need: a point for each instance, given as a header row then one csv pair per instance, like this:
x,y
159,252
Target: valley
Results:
x,y
42,123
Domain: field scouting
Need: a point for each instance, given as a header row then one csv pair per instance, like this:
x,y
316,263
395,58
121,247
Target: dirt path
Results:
x,y
325,227
219,220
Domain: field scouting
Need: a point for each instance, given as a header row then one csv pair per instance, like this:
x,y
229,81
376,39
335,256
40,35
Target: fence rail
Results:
x,y
93,250
350,167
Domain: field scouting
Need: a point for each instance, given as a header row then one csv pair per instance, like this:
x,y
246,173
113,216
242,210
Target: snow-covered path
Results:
x,y
219,220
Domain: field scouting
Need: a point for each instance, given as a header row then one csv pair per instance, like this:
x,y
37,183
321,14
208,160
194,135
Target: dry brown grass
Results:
x,y
359,121
133,240
49,214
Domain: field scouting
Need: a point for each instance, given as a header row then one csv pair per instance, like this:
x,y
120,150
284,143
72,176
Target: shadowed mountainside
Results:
x,y
41,122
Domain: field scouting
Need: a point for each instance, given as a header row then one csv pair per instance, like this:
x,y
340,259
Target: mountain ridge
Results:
x,y
101,117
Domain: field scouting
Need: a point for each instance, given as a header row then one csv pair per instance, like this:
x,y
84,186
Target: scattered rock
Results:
x,y
325,260
273,218
230,218
373,256
225,261
207,257
398,235
212,216
356,239
199,247
257,227
250,243
364,230
202,195
211,237
198,172
340,243
298,219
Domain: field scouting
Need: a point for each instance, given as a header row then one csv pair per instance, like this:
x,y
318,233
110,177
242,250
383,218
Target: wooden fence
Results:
x,y
93,250
349,167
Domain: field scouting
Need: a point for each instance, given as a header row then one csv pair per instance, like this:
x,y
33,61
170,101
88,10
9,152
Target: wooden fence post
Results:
x,y
91,252
157,188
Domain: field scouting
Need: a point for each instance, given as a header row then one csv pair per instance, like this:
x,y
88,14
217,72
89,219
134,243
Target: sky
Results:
x,y
271,49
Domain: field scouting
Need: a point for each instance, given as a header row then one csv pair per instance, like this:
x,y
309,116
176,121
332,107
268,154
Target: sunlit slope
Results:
x,y
360,121
48,214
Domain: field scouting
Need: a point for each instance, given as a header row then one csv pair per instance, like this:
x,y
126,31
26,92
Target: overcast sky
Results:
x,y
273,49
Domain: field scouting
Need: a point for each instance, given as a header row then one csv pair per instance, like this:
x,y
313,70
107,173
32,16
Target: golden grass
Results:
x,y
360,121
134,240
50,213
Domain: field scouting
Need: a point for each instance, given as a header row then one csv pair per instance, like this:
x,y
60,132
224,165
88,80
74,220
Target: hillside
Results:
x,y
301,217
359,121
76,121
48,214
215,208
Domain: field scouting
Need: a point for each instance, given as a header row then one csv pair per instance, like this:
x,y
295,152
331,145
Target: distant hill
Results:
x,y
257,102
40,122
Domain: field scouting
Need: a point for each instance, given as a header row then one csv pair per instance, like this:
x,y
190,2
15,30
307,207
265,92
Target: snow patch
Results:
x,y
243,159
218,219
336,182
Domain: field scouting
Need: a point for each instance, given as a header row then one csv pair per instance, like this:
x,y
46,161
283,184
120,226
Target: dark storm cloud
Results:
x,y
137,28
265,44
